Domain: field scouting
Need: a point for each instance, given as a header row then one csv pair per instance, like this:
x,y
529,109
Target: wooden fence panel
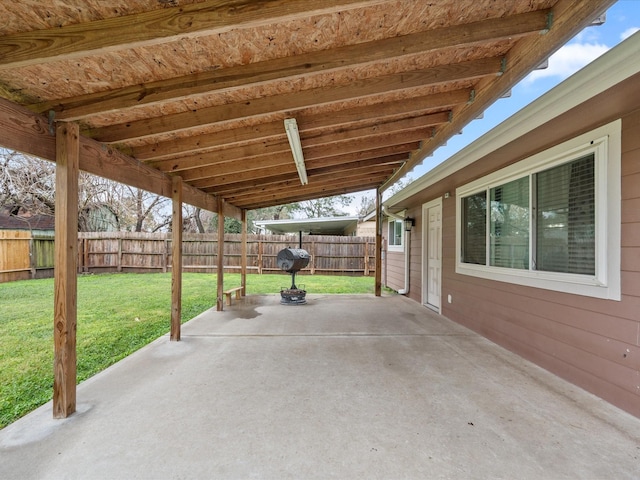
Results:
x,y
22,256
15,261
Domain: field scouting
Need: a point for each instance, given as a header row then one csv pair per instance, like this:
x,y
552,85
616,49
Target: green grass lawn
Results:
x,y
117,314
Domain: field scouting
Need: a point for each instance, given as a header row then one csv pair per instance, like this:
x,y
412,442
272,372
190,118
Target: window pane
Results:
x,y
510,224
395,232
474,229
566,218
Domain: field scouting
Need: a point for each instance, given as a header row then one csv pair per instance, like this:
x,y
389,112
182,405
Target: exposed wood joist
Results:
x,y
329,177
339,188
290,102
30,133
290,180
295,66
282,159
156,26
380,112
262,175
200,89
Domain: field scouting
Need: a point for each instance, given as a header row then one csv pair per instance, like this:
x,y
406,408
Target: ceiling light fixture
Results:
x,y
291,127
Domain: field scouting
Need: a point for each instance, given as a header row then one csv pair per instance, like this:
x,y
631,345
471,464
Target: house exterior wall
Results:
x,y
593,343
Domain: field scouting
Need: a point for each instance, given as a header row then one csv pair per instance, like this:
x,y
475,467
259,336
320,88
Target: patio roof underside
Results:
x,y
200,89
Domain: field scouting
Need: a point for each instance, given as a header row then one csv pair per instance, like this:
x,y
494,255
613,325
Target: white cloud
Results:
x,y
568,60
628,32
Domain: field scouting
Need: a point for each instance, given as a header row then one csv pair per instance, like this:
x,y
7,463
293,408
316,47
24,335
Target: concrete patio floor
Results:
x,y
346,387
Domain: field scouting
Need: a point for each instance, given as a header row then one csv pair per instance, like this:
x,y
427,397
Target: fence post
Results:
x,y
119,253
366,259
259,256
85,254
313,258
165,256
32,255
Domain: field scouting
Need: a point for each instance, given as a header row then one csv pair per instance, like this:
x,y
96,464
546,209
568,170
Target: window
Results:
x,y
396,235
550,221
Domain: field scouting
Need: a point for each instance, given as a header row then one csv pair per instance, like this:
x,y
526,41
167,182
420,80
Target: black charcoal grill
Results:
x,y
292,260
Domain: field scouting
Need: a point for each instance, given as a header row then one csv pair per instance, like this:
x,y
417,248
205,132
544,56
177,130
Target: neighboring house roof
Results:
x,y
34,222
612,68
316,226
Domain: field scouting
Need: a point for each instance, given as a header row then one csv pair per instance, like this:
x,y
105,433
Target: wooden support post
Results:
x,y
243,252
176,258
220,266
65,272
378,287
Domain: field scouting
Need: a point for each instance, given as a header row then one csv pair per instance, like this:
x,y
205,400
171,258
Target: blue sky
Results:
x,y
622,20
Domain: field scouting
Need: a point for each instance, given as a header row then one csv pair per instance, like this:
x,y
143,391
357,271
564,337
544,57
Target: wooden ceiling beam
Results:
x,y
319,188
29,133
327,177
292,180
262,174
307,122
358,185
220,162
290,102
254,74
245,153
160,25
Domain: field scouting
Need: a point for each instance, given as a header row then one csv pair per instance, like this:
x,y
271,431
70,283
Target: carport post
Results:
x,y
378,287
66,269
220,265
176,257
243,252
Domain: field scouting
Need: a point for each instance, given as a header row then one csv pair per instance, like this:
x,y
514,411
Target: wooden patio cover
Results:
x,y
187,98
200,89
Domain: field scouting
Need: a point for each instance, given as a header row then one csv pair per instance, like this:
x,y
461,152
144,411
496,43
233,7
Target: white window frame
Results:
x,y
395,248
605,144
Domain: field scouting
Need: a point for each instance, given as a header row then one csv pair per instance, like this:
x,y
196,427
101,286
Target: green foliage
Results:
x,y
324,207
117,315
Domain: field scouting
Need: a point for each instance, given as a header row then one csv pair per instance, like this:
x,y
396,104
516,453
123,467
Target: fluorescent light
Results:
x,y
291,127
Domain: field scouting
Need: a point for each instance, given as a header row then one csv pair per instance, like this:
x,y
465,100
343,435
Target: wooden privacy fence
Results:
x,y
100,252
24,256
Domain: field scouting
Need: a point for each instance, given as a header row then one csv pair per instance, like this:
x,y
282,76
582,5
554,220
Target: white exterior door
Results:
x,y
432,253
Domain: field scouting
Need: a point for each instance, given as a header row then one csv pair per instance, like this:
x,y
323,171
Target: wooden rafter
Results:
x,y
156,26
292,101
299,65
390,79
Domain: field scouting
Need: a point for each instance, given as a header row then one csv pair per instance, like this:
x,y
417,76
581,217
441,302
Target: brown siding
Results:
x,y
591,342
395,270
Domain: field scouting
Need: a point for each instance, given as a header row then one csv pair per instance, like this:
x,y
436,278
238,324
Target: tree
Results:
x,y
367,204
399,185
325,207
28,184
